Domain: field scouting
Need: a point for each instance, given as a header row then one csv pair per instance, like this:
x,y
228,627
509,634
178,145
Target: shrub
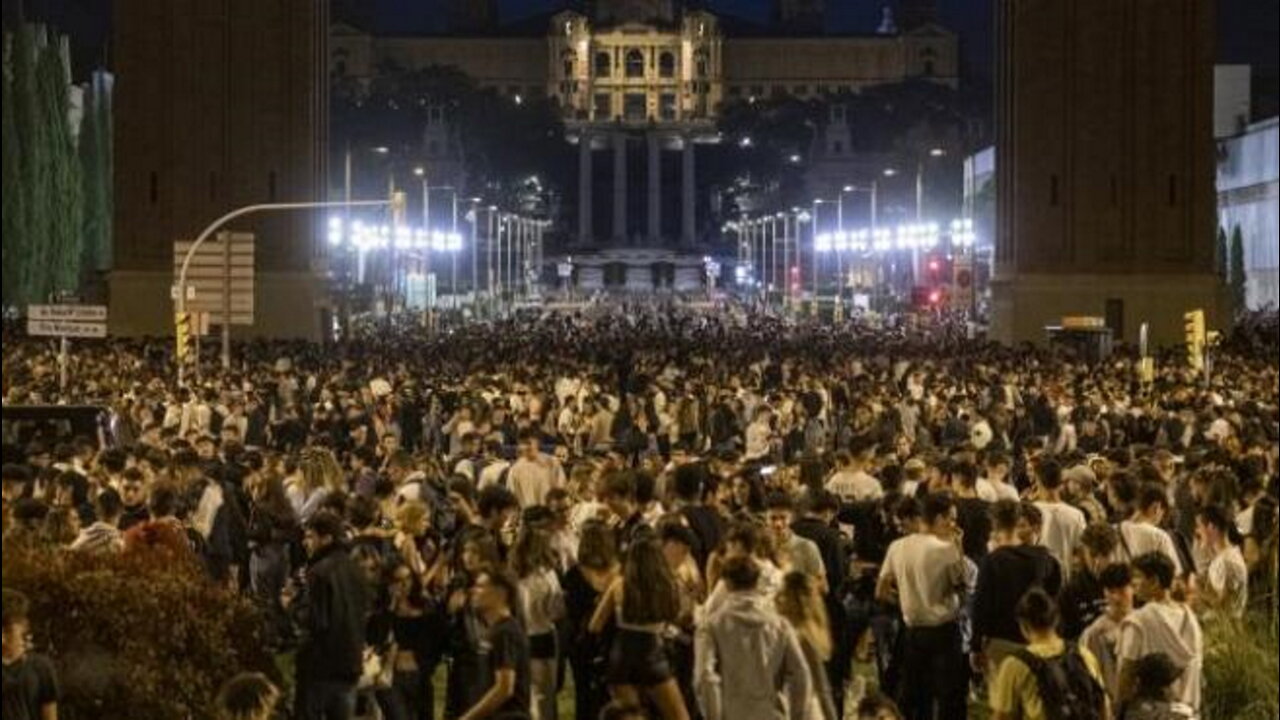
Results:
x,y
135,636
1242,660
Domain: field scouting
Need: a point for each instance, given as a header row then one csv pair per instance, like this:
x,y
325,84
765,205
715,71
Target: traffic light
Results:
x,y
184,337
1196,338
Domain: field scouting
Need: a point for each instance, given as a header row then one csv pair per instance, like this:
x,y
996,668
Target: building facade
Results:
x,y
219,104
1105,165
641,84
1249,199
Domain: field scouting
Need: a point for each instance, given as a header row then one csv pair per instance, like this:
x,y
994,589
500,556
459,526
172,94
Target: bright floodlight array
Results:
x,y
913,236
365,237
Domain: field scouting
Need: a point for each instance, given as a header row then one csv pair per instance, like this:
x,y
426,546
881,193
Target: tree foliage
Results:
x,y
896,124
134,636
95,179
13,195
64,234
1239,277
501,143
45,225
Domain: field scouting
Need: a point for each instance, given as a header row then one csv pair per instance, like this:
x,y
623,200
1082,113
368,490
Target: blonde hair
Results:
x,y
412,514
799,602
320,469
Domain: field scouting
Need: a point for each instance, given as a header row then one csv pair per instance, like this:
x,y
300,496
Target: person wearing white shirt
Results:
x,y
1142,533
534,474
1225,587
759,436
1063,524
925,573
851,482
995,486
1162,625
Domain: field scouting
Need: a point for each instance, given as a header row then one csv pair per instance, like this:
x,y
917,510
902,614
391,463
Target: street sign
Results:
x,y
68,313
65,328
220,277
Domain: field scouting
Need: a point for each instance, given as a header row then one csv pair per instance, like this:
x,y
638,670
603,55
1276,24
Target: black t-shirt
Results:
x,y
29,685
974,517
508,649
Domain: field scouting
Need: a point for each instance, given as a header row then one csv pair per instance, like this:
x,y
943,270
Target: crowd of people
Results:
x,y
677,514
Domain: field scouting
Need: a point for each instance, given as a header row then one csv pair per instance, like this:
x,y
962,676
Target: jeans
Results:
x,y
326,701
411,697
935,674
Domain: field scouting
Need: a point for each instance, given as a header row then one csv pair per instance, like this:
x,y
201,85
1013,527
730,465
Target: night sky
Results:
x,y
1248,29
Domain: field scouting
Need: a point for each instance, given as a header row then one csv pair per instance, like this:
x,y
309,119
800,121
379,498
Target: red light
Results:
x,y
935,297
934,265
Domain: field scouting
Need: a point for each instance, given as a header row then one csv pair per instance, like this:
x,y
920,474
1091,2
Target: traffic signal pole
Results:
x,y
396,202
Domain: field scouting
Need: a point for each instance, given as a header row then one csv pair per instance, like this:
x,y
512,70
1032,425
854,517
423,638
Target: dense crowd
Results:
x,y
678,514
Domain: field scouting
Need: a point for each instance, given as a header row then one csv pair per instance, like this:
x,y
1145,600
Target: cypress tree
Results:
x,y
63,194
32,169
93,183
1221,254
1239,289
13,192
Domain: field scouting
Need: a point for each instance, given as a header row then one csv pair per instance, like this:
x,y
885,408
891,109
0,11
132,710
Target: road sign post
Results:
x,y
396,202
65,322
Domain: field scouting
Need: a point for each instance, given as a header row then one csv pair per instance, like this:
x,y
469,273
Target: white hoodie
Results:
x,y
749,664
1172,629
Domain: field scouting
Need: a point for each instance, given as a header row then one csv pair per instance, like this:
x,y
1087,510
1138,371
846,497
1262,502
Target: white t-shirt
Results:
x,y
929,573
1170,628
991,492
491,474
1138,539
1229,578
855,486
531,480
1061,530
758,435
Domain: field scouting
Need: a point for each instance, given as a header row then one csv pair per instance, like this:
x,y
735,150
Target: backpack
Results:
x,y
1068,690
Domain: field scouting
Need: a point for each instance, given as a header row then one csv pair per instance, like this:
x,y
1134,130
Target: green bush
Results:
x,y
1242,660
134,636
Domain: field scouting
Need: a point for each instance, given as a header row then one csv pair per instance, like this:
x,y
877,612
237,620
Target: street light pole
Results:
x,y
181,289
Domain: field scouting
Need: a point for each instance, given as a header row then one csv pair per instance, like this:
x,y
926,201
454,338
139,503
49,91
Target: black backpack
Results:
x,y
1068,690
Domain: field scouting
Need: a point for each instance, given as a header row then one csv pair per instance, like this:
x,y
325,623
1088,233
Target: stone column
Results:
x,y
584,189
620,186
655,187
687,193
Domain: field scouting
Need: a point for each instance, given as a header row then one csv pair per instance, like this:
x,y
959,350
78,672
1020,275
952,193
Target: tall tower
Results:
x,y
801,16
1105,165
473,16
226,107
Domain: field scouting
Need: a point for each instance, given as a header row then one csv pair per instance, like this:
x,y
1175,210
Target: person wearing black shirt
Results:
x,y
133,491
1016,566
974,513
333,611
1083,600
619,494
705,523
509,694
30,683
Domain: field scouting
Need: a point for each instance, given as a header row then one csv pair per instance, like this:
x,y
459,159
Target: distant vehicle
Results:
x,y
53,424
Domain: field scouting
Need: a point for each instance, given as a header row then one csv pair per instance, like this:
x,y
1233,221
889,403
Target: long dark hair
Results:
x,y
532,552
650,594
